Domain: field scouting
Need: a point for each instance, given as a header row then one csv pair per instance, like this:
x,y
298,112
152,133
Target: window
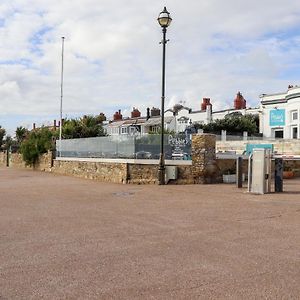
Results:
x,y
154,129
124,130
278,134
294,115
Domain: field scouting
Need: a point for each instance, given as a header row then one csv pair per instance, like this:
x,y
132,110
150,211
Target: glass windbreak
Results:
x,y
138,147
104,147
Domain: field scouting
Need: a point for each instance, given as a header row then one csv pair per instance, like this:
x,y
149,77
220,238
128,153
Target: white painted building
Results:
x,y
279,114
177,119
185,116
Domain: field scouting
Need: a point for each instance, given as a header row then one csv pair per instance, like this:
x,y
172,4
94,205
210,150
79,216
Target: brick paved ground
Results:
x,y
69,238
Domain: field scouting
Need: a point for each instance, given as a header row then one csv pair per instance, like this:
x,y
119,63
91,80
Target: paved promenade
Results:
x,y
70,238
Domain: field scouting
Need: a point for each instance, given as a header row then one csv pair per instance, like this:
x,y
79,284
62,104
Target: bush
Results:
x,y
36,143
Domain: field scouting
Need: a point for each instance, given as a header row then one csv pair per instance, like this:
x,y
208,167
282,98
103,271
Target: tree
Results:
x,y
7,142
2,134
86,126
36,143
233,124
21,133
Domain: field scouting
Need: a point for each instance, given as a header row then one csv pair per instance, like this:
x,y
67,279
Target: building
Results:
x,y
177,119
279,114
138,124
184,116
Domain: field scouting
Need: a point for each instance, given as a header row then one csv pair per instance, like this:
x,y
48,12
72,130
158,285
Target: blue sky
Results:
x,y
113,56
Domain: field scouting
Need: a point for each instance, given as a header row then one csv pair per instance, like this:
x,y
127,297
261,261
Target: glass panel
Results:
x,y
139,147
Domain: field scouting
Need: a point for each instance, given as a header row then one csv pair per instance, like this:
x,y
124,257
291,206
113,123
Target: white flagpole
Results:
x,y
61,92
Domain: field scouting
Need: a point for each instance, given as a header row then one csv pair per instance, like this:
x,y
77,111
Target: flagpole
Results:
x,y
61,92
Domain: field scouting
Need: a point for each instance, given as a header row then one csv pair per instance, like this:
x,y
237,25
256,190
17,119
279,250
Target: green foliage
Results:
x,y
8,142
36,143
21,133
2,134
86,126
234,123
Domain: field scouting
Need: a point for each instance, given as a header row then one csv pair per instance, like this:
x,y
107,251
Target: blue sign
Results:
x,y
277,117
250,147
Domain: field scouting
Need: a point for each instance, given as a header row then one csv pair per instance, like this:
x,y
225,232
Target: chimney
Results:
x,y
155,112
102,117
135,113
239,101
205,102
118,115
148,113
209,113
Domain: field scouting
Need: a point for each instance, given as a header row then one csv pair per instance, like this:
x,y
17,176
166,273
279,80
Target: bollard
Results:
x,y
239,172
278,175
7,158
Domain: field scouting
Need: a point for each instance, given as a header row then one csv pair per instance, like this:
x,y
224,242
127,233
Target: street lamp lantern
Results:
x,y
164,21
164,18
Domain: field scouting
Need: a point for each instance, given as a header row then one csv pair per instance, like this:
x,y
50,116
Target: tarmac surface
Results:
x,y
70,238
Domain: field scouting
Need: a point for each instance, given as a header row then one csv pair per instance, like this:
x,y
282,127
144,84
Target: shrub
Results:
x,y
35,144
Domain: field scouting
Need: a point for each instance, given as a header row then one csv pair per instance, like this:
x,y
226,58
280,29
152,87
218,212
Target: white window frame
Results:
x,y
293,113
124,130
292,131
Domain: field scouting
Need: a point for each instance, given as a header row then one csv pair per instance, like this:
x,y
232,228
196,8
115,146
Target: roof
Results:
x,y
138,121
135,121
157,121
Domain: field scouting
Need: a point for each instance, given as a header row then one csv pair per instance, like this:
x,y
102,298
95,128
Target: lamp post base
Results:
x,y
161,170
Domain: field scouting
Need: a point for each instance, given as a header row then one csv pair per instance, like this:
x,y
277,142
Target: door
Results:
x,y
294,132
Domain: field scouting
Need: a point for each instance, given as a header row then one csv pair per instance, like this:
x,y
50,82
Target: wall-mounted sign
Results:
x,y
277,117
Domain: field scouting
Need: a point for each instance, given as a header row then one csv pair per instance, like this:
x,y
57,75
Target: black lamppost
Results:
x,y
164,21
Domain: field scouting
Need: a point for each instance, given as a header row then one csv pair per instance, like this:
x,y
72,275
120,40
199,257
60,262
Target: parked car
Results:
x,y
143,155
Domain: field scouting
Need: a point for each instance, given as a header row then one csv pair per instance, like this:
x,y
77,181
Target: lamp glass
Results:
x,y
164,18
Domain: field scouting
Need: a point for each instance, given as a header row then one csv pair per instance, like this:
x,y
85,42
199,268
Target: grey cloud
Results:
x,y
113,56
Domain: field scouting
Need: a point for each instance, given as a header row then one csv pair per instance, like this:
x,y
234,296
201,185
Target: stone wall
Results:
x,y
204,168
293,165
109,172
119,172
148,173
16,161
138,173
44,163
228,166
280,146
2,159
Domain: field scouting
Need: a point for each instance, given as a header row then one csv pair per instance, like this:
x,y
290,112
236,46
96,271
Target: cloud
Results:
x,y
113,57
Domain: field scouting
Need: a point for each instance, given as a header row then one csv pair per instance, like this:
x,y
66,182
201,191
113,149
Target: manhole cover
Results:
x,y
123,194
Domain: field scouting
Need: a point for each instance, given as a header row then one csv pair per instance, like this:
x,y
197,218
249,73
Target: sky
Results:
x,y
113,59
